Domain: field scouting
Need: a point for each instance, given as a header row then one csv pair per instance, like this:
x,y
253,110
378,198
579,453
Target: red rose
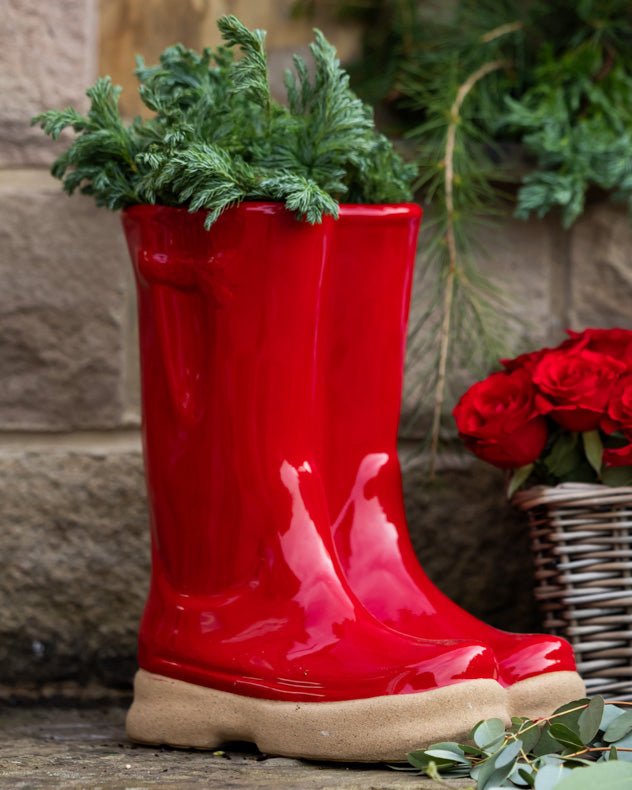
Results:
x,y
616,343
526,362
575,385
622,456
618,416
498,421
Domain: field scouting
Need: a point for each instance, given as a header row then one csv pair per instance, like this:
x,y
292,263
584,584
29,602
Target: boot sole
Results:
x,y
541,695
175,713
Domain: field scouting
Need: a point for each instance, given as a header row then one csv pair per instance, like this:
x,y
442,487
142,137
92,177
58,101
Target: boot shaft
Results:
x,y
228,321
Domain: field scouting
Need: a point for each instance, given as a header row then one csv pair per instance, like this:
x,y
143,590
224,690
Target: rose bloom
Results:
x,y
526,362
498,421
618,416
621,456
574,386
616,343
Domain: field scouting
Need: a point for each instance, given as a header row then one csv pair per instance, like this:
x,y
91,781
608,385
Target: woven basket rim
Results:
x,y
570,494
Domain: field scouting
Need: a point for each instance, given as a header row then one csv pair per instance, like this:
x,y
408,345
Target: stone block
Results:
x,y
75,545
62,308
470,542
47,60
601,270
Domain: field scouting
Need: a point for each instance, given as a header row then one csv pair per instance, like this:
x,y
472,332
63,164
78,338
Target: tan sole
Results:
x,y
377,729
539,696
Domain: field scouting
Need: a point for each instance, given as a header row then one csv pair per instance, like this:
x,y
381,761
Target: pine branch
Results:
x,y
446,323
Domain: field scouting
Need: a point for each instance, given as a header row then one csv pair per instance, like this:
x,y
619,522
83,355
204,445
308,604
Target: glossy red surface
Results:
x,y
247,594
361,365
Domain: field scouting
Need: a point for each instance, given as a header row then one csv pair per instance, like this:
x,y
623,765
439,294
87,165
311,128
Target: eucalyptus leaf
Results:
x,y
619,728
566,736
498,766
610,713
445,755
546,744
624,748
550,775
529,734
527,774
589,721
489,734
612,775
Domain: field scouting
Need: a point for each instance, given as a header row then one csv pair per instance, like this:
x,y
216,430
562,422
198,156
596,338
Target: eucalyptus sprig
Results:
x,y
582,745
218,137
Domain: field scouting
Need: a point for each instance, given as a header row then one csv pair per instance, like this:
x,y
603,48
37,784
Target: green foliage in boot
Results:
x,y
219,138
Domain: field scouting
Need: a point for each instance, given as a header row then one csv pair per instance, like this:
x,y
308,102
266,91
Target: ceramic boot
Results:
x,y
368,278
250,631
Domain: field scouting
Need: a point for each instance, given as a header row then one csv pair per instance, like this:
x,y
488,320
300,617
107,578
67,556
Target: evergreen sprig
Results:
x,y
218,138
472,84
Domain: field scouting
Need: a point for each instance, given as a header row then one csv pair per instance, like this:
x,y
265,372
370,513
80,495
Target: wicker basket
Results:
x,y
582,544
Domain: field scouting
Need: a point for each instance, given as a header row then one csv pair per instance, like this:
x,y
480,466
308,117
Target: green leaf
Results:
x,y
489,734
619,728
564,455
442,758
519,476
546,743
550,774
593,447
566,736
527,774
528,732
610,713
497,768
611,775
590,719
218,137
617,476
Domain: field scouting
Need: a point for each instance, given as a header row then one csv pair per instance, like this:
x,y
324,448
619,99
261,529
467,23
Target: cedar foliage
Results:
x,y
219,138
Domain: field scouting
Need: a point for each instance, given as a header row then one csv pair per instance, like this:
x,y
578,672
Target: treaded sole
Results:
x,y
539,696
176,713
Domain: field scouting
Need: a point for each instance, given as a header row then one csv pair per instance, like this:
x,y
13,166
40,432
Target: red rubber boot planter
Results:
x,y
362,370
251,631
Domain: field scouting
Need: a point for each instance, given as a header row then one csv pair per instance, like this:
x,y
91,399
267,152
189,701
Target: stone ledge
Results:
x,y
92,443
75,542
79,748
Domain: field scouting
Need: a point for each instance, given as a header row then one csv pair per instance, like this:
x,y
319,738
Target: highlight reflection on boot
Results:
x,y
366,539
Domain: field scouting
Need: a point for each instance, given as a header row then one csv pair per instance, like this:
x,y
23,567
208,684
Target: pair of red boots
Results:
x,y
287,606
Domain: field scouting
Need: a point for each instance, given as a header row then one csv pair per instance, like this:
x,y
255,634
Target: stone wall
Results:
x,y
73,524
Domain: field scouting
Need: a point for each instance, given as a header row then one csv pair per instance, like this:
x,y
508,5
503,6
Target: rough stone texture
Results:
x,y
63,270
519,258
471,543
47,60
74,540
600,281
87,749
